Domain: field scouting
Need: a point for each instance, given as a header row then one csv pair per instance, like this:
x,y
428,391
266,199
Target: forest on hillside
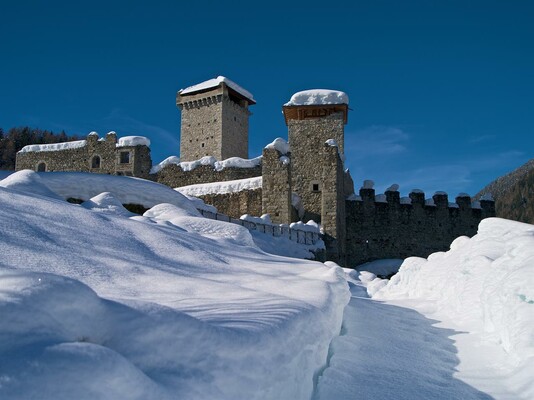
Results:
x,y
16,138
514,194
518,202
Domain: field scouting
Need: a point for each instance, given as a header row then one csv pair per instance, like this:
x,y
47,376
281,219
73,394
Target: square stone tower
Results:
x,y
214,120
316,122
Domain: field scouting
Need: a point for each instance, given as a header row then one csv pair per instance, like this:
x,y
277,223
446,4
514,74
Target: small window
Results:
x,y
95,162
235,119
202,144
315,186
41,167
125,157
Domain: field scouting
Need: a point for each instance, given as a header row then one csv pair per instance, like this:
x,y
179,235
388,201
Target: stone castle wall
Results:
x,y
393,230
236,204
97,156
235,130
333,198
174,176
73,159
276,185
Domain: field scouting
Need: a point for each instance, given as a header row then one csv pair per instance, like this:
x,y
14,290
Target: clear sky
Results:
x,y
441,92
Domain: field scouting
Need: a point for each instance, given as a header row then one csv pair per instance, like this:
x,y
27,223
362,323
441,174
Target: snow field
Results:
x,y
98,304
485,286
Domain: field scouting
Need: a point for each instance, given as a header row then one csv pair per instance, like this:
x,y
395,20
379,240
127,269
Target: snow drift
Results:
x,y
485,286
97,304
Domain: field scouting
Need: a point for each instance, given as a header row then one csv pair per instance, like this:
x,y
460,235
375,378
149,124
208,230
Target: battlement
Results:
x,y
416,198
390,226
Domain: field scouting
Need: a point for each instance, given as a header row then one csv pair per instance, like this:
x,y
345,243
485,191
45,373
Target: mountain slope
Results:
x,y
514,194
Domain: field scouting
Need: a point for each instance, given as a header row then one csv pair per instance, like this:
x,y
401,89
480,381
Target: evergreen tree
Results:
x,y
16,138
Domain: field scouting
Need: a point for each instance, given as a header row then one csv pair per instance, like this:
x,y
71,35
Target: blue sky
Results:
x,y
442,93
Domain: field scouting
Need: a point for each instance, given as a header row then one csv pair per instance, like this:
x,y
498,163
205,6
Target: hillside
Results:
x,y
514,194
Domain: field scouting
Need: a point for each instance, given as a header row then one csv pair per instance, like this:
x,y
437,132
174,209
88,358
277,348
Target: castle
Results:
x,y
301,179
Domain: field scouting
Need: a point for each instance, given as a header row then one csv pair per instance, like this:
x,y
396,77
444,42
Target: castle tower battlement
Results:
x,y
214,120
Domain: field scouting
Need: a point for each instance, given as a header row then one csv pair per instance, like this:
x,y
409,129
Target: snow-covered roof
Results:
x,y
53,146
318,97
133,141
212,83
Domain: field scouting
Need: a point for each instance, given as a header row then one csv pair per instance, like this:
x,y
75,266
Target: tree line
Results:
x,y
16,138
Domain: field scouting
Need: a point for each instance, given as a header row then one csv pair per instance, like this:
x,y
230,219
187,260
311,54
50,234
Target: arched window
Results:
x,y
95,162
41,167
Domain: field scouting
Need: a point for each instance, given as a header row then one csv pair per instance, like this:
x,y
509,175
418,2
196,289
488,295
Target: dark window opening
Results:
x,y
202,144
41,167
125,157
315,187
95,162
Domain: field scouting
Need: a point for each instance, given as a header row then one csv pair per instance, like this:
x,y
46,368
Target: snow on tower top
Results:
x,y
212,83
318,97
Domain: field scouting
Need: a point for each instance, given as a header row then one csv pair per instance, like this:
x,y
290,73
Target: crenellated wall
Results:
x,y
391,229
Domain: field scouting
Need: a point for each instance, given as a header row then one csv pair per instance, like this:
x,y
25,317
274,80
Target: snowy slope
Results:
x,y
483,286
96,304
84,186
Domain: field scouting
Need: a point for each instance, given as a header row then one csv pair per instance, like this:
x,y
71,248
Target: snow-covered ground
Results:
x,y
97,303
458,325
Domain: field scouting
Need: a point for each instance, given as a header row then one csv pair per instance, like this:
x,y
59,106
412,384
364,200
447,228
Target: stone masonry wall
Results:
x,y
333,204
276,185
201,129
82,159
234,130
174,176
307,138
393,230
140,161
236,204
77,159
